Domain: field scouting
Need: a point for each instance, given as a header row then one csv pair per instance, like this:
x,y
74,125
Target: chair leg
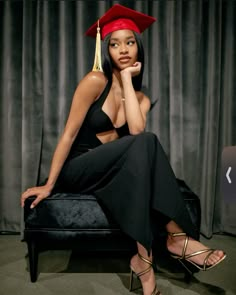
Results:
x,y
33,260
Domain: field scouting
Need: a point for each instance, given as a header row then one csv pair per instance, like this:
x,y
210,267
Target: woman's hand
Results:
x,y
134,70
41,192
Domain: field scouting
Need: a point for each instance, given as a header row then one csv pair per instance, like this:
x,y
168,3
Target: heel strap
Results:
x,y
155,291
145,259
147,269
180,234
185,242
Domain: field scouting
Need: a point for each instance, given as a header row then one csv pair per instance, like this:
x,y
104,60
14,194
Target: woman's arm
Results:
x,y
87,91
135,109
85,94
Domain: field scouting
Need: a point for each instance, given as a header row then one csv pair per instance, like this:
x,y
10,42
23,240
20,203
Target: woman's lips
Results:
x,y
124,59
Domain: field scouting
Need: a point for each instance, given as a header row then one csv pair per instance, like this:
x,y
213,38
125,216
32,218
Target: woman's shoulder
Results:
x,y
92,84
143,99
142,96
97,78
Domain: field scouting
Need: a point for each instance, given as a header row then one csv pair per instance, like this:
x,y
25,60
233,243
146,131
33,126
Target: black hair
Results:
x,y
107,62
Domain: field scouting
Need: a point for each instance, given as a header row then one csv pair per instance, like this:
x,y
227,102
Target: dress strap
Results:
x,y
103,95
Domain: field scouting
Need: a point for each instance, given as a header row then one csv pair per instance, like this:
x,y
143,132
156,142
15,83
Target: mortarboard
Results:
x,y
118,17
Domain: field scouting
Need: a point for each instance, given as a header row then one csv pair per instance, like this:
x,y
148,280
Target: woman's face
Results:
x,y
123,49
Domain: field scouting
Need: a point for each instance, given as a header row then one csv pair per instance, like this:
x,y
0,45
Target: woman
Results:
x,y
105,151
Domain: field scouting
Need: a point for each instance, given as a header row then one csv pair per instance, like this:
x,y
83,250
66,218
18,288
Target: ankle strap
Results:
x,y
145,259
177,234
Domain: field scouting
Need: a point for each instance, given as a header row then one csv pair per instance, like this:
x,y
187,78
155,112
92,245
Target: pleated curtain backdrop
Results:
x,y
190,69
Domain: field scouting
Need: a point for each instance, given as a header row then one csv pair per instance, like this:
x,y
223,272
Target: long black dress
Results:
x,y
131,176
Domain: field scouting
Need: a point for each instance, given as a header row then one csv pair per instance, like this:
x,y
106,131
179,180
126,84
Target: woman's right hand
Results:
x,y
41,192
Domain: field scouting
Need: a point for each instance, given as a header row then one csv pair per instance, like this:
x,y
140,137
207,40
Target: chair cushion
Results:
x,y
68,211
66,220
71,215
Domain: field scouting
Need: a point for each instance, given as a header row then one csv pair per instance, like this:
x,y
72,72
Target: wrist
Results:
x,y
50,186
125,76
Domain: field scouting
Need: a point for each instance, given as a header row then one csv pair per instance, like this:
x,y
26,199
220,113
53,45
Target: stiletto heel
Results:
x,y
184,259
138,275
131,280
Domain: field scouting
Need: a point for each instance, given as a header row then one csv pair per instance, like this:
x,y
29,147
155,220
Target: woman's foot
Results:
x,y
177,244
147,279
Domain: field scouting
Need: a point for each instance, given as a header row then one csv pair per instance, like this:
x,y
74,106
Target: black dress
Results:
x,y
131,176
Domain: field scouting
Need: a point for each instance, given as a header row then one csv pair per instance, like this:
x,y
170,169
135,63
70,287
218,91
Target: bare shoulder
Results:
x,y
91,86
143,99
141,96
97,79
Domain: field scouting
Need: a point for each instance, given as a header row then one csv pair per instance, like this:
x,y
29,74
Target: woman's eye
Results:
x,y
131,42
114,45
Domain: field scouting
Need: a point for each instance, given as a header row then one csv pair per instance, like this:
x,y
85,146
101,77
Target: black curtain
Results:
x,y
190,69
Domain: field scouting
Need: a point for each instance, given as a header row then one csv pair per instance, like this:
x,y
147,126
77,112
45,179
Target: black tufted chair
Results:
x,y
65,221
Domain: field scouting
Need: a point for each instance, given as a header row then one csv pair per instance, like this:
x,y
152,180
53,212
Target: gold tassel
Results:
x,y
97,66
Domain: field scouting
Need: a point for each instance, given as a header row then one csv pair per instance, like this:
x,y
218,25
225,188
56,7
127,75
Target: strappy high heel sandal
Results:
x,y
138,275
184,259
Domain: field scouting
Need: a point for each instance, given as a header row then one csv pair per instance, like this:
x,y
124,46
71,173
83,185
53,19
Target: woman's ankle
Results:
x,y
147,279
137,262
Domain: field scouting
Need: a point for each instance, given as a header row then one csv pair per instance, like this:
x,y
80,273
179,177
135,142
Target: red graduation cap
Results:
x,y
119,17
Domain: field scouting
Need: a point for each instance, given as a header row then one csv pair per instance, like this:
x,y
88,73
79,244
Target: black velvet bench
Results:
x,y
68,221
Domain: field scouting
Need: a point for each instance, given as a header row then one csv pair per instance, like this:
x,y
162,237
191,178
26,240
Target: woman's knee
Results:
x,y
146,141
146,136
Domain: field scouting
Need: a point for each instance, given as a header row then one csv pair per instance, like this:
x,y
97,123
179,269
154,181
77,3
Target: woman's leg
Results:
x,y
138,265
175,245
